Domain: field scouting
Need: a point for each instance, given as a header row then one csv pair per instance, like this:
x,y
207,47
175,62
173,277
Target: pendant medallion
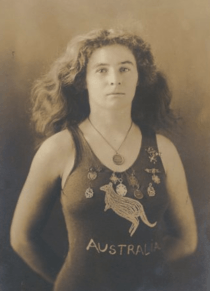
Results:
x,y
118,159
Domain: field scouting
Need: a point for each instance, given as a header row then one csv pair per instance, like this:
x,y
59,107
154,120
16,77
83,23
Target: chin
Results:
x,y
119,105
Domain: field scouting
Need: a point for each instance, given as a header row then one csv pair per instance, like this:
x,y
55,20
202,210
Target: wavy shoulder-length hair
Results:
x,y
60,98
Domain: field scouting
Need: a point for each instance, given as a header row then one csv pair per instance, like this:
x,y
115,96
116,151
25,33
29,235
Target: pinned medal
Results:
x,y
155,179
154,171
121,189
132,180
138,194
89,193
151,190
152,154
114,179
92,174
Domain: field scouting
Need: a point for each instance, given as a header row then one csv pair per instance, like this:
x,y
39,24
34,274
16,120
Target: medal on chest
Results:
x,y
134,183
121,189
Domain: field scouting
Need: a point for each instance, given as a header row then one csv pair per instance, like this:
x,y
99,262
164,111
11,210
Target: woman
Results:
x,y
123,188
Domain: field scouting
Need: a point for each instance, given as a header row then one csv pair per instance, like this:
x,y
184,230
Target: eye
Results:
x,y
124,69
102,70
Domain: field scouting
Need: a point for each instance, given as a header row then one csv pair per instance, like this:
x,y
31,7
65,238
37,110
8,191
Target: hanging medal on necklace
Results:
x,y
118,159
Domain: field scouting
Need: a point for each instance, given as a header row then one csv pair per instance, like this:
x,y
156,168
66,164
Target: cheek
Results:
x,y
93,86
133,79
133,82
132,85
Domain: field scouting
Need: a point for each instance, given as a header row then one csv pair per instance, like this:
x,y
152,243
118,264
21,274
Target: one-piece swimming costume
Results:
x,y
115,239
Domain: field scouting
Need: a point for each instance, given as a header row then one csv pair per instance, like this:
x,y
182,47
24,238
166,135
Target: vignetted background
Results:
x,y
33,33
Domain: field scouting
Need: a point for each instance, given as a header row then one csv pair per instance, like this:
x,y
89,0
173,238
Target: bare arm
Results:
x,y
36,200
180,214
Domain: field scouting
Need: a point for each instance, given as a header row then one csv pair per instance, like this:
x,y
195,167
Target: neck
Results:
x,y
116,121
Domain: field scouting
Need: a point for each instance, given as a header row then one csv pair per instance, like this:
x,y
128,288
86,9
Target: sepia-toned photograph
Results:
x,y
105,145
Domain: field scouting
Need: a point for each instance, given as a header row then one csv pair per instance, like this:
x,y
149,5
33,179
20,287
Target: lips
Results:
x,y
116,93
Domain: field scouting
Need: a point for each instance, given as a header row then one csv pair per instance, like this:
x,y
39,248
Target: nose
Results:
x,y
115,83
115,78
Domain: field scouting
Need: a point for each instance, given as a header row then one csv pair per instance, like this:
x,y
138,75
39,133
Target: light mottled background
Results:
x,y
34,32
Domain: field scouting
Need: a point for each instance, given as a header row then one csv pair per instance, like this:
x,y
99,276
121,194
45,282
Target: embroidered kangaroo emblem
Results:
x,y
125,207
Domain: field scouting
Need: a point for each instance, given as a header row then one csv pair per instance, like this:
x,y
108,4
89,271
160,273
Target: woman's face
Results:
x,y
111,77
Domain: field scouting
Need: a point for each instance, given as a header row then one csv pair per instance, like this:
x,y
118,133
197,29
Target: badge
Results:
x,y
138,194
151,190
121,189
92,174
89,193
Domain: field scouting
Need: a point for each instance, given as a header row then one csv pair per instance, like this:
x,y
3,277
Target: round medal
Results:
x,y
118,159
138,194
92,175
121,189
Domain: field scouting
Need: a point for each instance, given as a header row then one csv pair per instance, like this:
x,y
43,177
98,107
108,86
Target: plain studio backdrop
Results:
x,y
32,34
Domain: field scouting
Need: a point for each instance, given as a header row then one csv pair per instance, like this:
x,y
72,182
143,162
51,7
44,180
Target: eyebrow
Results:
x,y
99,65
127,62
121,63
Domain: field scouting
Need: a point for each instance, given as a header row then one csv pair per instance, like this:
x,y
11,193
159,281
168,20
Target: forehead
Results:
x,y
111,54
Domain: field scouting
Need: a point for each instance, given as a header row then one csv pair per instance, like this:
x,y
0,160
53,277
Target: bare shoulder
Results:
x,y
169,153
165,145
57,143
55,151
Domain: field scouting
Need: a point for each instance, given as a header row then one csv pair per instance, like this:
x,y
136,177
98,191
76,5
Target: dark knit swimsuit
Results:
x,y
115,239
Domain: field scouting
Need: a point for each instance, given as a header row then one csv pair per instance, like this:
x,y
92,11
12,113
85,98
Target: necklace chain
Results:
x,y
107,140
